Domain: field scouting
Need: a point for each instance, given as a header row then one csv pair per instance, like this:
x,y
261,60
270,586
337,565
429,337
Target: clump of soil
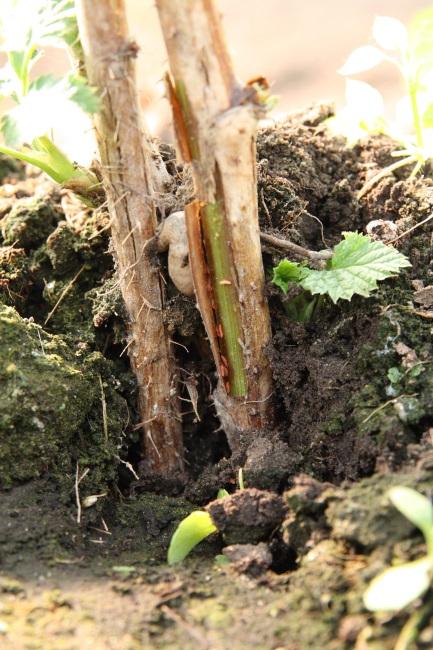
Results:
x,y
354,396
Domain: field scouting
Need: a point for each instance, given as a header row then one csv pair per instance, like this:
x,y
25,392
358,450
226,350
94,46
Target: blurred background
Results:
x,y
297,44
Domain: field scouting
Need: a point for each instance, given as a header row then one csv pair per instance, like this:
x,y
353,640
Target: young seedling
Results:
x,y
356,265
41,104
398,586
195,528
411,51
215,122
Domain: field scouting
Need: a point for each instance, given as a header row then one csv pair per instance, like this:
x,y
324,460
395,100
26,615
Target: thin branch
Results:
x,y
295,249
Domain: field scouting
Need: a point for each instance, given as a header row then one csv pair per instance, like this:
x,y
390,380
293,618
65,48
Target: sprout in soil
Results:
x,y
410,50
397,587
195,528
42,103
356,265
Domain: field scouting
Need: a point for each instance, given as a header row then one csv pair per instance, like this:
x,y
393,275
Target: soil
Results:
x,y
83,537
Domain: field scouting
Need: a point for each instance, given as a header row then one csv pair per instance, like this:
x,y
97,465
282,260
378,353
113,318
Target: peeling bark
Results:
x,y
215,122
130,177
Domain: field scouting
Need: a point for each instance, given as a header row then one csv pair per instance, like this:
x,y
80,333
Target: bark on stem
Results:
x,y
215,121
128,174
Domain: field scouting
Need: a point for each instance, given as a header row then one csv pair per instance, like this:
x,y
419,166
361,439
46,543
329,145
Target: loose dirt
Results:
x,y
354,395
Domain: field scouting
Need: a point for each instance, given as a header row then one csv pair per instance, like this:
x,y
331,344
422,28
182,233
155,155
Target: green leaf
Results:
x,y
27,24
427,117
190,532
355,268
50,104
394,375
82,94
421,39
287,273
398,586
301,308
222,493
414,506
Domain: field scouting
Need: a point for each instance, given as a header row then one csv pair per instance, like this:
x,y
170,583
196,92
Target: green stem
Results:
x,y
226,298
50,159
412,89
428,534
413,626
25,79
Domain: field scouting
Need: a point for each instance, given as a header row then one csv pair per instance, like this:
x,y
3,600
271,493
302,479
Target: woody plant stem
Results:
x,y
130,178
215,122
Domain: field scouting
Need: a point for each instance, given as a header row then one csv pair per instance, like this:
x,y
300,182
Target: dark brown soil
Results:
x,y
313,526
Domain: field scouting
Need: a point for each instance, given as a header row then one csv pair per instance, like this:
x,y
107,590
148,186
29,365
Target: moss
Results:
x,y
29,222
51,414
14,272
62,247
10,167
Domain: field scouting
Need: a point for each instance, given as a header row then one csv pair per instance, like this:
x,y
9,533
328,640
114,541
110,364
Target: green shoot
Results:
x,y
357,264
45,103
398,586
411,51
190,532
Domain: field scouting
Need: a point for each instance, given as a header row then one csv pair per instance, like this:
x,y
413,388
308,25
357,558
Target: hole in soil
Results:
x,y
284,558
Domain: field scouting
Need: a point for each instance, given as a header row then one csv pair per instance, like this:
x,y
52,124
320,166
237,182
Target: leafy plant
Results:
x,y
45,102
357,264
398,586
411,51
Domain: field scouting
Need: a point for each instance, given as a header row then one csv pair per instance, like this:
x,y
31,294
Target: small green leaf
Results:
x,y
82,94
414,506
288,272
357,265
398,586
190,532
301,308
421,38
427,117
222,493
394,375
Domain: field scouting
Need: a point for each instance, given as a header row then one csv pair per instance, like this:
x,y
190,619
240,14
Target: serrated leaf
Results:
x,y
287,273
82,94
355,268
26,24
390,33
190,532
414,506
362,59
398,586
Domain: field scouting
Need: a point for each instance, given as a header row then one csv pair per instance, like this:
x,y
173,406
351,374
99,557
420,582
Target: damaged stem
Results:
x,y
215,123
130,178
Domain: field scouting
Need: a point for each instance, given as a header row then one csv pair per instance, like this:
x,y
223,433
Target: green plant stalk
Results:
x,y
45,155
412,90
225,296
428,534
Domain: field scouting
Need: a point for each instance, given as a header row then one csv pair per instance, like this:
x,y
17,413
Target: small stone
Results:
x,y
251,559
